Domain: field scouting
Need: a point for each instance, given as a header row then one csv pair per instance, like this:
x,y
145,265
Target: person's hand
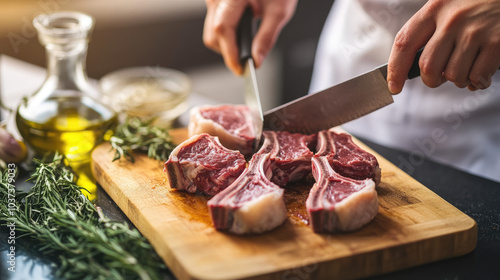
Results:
x,y
223,17
462,44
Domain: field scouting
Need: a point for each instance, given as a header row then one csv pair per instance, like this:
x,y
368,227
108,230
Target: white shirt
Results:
x,y
448,124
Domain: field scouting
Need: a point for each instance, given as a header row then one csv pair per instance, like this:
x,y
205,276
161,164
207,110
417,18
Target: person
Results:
x,y
450,114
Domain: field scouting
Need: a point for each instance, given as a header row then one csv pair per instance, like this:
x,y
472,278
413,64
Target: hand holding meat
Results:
x,y
223,17
462,43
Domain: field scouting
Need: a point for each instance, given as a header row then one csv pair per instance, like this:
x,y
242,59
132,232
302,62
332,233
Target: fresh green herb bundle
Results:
x,y
68,227
137,135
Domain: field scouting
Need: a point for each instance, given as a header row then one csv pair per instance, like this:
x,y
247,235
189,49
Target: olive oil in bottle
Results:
x,y
65,125
66,115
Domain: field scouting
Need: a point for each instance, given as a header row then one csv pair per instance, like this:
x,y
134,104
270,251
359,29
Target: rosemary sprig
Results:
x,y
68,228
137,135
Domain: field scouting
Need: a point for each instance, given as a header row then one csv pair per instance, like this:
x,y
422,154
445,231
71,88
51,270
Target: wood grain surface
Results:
x,y
413,226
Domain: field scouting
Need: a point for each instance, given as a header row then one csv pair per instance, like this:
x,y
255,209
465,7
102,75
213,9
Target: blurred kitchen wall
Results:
x,y
168,33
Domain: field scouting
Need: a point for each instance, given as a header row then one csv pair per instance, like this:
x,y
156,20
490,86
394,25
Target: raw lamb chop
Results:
x,y
343,197
346,158
202,163
231,123
291,156
252,204
337,203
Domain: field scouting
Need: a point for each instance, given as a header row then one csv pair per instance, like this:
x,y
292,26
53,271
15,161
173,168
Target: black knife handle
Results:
x,y
245,35
415,69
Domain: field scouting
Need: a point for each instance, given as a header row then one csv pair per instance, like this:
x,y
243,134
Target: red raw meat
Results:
x,y
252,203
231,123
342,199
346,158
202,164
336,202
291,156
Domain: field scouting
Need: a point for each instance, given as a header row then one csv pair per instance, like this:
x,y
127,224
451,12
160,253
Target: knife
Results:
x,y
336,105
245,33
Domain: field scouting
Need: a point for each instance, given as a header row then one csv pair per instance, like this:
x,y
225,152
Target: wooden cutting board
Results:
x,y
413,226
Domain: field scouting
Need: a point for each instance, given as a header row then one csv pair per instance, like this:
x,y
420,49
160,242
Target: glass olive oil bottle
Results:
x,y
66,125
65,114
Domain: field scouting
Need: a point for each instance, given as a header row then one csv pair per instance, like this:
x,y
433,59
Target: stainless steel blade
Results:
x,y
252,99
333,106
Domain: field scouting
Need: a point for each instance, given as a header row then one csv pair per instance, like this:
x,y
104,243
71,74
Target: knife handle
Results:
x,y
245,35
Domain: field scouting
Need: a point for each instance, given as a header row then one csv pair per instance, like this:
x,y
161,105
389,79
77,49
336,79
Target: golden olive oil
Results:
x,y
66,114
69,126
66,126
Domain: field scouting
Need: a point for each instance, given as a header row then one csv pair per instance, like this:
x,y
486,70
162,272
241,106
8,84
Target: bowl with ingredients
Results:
x,y
147,92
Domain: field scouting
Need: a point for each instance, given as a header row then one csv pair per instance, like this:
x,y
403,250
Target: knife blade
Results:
x,y
333,106
338,104
246,30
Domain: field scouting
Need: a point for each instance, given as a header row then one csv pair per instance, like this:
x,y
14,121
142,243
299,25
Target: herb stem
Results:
x,y
137,135
69,230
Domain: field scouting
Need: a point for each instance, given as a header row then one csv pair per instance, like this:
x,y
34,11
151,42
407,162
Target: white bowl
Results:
x,y
147,92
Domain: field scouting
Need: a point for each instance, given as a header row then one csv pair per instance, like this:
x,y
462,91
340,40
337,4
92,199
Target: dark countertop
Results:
x,y
477,197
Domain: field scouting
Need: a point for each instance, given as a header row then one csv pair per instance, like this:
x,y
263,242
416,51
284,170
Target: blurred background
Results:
x,y
168,33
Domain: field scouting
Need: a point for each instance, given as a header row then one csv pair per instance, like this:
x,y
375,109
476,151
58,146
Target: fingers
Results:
x,y
461,39
485,65
412,37
460,63
226,19
435,57
274,19
471,63
222,20
209,38
219,30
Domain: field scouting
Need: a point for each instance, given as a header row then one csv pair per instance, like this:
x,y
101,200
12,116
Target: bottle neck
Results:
x,y
66,67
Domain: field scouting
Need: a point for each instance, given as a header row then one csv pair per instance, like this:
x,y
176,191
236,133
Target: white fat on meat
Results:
x,y
260,214
231,123
337,203
252,203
